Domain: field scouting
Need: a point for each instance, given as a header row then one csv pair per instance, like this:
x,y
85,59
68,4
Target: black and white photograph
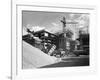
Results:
x,y
50,40
55,39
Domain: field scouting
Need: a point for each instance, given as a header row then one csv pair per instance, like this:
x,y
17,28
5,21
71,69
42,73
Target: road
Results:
x,y
71,62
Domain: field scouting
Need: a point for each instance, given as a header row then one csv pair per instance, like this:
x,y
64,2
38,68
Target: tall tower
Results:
x,y
63,43
64,25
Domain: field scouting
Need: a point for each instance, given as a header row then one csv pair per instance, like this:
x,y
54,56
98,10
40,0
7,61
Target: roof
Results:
x,y
41,31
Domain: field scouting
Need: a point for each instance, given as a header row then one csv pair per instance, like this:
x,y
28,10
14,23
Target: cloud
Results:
x,y
34,28
56,27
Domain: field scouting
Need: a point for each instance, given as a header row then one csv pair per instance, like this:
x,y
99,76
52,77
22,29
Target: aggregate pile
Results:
x,y
35,58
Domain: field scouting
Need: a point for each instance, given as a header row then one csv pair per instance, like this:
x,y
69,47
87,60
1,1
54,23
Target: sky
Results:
x,y
51,21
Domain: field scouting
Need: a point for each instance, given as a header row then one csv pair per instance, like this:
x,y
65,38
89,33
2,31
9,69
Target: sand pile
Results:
x,y
34,58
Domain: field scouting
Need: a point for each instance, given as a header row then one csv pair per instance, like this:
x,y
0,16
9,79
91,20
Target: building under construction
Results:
x,y
57,44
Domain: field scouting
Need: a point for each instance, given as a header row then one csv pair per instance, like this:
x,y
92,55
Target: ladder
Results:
x,y
52,50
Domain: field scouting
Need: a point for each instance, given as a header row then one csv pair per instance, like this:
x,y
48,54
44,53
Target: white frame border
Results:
x,y
73,71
